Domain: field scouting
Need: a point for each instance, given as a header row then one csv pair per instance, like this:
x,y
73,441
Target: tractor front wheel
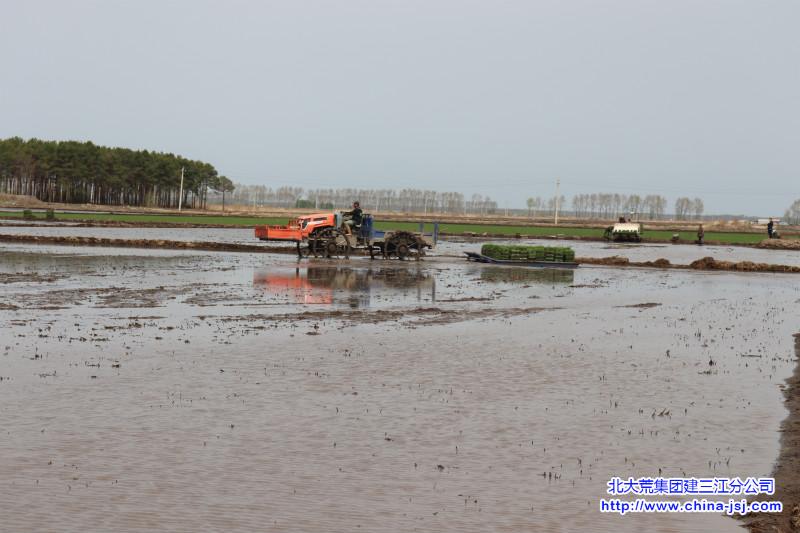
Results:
x,y
303,250
332,243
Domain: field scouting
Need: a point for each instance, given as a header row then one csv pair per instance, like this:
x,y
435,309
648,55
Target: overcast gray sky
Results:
x,y
696,97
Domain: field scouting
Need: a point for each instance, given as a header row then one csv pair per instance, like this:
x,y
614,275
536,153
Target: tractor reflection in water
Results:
x,y
347,286
326,235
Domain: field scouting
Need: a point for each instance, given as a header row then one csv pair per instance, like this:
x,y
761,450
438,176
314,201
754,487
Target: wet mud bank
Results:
x,y
706,263
776,244
787,468
145,243
88,223
768,244
780,244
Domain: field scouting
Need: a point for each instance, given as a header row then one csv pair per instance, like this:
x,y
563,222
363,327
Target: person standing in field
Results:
x,y
700,234
770,228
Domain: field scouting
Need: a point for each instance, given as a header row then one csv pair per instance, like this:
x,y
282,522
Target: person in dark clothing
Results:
x,y
770,228
700,234
355,216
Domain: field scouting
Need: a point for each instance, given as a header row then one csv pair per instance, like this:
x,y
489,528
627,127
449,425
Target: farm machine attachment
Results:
x,y
325,235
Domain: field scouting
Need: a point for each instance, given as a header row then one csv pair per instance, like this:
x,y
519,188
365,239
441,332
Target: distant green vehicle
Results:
x,y
624,232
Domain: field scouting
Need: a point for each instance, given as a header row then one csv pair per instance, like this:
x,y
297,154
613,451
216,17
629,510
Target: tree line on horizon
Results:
x,y
83,172
402,200
596,205
608,206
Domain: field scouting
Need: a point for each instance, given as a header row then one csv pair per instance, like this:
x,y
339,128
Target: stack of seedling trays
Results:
x,y
531,255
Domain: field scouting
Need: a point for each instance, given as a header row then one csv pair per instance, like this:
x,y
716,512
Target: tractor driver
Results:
x,y
355,216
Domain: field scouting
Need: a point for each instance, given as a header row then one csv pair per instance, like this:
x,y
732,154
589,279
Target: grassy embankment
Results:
x,y
533,231
151,219
526,231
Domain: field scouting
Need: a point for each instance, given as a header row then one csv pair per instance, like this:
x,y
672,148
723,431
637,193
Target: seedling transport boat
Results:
x,y
532,256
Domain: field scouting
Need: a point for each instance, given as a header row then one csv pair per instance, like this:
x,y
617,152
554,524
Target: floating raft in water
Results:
x,y
472,256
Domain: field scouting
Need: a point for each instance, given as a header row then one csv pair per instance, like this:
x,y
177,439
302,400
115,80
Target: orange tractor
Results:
x,y
325,235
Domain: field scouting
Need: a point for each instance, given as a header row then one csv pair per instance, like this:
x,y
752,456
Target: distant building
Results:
x,y
765,221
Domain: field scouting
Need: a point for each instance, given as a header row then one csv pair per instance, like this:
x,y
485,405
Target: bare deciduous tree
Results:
x,y
534,204
604,205
792,214
683,207
697,208
405,200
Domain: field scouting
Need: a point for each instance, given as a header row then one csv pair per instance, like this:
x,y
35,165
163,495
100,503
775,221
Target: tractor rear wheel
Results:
x,y
403,245
315,245
402,249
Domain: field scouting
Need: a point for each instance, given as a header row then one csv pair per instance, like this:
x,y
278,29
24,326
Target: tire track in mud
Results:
x,y
787,467
419,316
146,243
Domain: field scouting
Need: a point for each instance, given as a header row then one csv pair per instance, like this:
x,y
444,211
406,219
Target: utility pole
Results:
x,y
558,198
180,195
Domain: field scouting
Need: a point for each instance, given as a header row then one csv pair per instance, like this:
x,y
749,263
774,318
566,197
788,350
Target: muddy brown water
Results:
x,y
173,391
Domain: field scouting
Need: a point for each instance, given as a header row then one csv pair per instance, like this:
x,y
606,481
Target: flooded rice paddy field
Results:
x,y
677,254
146,390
